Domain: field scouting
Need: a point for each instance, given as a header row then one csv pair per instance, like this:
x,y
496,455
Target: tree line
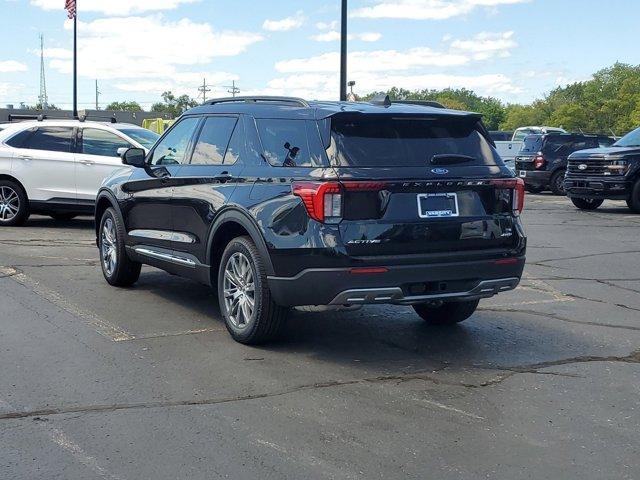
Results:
x,y
609,102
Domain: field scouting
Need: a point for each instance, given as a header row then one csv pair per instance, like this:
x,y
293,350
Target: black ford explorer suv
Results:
x,y
542,160
279,202
606,173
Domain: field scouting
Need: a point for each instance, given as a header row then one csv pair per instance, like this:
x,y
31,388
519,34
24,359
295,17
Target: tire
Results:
x,y
251,319
534,189
556,183
118,269
447,313
63,217
587,203
14,204
633,201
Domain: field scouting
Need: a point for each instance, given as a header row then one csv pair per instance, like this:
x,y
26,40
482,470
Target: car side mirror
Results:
x,y
134,157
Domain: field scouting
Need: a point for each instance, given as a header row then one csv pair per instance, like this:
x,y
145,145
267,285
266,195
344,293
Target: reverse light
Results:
x,y
324,200
515,184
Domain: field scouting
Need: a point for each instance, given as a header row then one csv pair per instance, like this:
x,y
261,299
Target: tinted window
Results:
x,y
236,146
101,142
213,140
387,141
532,144
18,139
54,139
631,139
558,145
172,149
583,144
144,137
290,143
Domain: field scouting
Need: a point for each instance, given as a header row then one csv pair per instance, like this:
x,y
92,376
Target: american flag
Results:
x,y
70,7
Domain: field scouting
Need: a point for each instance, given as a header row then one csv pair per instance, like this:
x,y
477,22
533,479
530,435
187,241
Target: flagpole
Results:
x,y
75,63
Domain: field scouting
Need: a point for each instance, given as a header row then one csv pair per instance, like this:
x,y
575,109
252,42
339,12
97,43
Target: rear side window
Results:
x,y
213,140
388,141
53,139
290,142
101,142
584,143
18,140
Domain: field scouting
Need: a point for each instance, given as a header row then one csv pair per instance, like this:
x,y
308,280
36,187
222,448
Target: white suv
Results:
x,y
55,167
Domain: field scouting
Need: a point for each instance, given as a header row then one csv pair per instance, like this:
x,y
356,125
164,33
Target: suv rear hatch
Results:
x,y
416,185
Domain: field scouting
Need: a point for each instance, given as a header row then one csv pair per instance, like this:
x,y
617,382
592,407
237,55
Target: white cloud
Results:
x,y
486,45
327,25
285,24
334,35
127,47
426,9
12,92
325,86
8,66
115,7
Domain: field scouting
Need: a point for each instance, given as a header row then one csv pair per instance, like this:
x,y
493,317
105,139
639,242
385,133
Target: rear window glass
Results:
x,y
532,143
387,141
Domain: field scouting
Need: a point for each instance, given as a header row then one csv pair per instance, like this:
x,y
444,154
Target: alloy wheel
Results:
x,y
108,246
9,203
239,290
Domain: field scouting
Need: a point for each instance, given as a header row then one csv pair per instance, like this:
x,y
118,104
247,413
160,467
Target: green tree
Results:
x,y
124,106
174,106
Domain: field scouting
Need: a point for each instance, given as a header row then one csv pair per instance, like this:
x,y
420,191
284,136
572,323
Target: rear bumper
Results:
x,y
536,178
598,187
399,284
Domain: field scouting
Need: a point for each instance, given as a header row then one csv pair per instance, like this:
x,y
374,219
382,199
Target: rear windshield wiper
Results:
x,y
451,159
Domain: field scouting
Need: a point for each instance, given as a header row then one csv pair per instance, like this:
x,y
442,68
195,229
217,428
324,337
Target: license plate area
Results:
x,y
438,205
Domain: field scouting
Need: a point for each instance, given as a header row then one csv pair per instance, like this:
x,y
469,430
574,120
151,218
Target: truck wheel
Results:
x,y
587,203
14,204
557,183
447,313
634,200
249,312
118,269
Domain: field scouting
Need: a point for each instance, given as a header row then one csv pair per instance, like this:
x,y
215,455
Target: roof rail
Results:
x,y
424,103
255,99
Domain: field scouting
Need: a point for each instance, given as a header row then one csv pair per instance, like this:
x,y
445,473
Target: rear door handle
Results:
x,y
25,157
87,162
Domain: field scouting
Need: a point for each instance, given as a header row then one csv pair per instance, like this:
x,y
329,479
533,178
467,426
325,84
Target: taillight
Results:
x,y
323,200
539,161
515,184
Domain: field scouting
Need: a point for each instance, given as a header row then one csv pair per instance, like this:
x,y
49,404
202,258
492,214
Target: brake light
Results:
x,y
323,200
539,161
515,184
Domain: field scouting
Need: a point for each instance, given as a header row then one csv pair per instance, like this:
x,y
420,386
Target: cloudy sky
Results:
x,y
511,49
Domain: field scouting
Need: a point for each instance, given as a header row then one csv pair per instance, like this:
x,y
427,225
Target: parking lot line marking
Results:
x,y
148,336
58,437
103,327
449,408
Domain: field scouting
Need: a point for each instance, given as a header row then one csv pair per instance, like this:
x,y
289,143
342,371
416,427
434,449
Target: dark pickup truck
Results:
x,y
612,173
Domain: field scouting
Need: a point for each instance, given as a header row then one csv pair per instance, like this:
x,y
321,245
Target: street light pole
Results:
x,y
343,53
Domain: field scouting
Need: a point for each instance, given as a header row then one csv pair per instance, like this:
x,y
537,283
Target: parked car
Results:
x,y
279,202
606,173
542,162
509,149
55,167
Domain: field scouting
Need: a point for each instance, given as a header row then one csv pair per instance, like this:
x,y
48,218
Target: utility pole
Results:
x,y
97,95
343,53
234,90
203,89
43,100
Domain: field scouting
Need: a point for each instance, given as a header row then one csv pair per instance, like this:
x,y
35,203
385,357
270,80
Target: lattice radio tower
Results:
x,y
43,100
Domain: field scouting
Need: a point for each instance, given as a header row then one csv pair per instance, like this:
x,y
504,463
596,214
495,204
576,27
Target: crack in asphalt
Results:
x,y
596,300
511,371
579,257
559,318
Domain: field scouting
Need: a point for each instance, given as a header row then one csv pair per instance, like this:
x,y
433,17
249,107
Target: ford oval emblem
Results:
x,y
583,166
439,171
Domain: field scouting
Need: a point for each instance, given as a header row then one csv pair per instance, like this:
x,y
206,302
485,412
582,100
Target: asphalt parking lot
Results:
x,y
145,383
